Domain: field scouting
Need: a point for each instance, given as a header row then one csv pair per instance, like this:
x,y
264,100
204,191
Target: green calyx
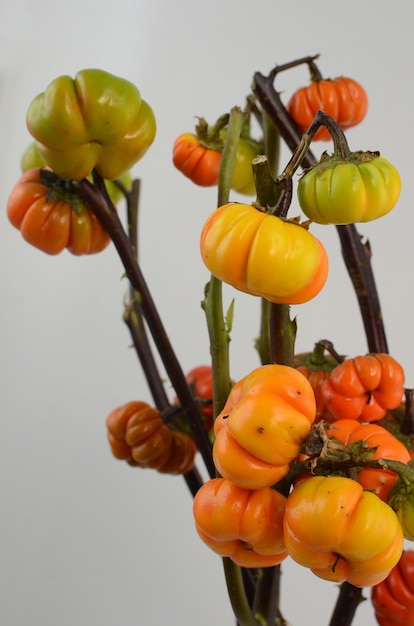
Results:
x,y
401,500
64,189
317,360
329,161
212,137
61,190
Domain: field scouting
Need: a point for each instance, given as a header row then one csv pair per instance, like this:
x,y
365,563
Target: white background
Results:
x,y
86,540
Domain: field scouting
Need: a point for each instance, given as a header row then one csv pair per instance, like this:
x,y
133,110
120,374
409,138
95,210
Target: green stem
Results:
x,y
282,335
405,472
322,346
209,136
341,147
272,143
266,602
340,142
262,343
229,155
266,167
219,343
298,156
268,190
217,325
282,206
237,594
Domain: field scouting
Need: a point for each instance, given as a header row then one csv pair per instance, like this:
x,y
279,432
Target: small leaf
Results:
x,y
228,320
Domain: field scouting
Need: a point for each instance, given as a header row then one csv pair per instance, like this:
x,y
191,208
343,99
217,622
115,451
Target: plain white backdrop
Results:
x,y
86,540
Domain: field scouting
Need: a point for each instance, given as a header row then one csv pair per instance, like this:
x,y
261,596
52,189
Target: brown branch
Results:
x,y
356,255
107,215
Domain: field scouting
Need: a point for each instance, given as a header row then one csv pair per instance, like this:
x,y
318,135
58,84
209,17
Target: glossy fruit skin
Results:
x,y
267,416
342,98
244,525
31,158
197,162
341,532
263,255
404,509
384,445
315,378
201,164
346,192
50,224
393,598
94,121
200,379
364,388
138,435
